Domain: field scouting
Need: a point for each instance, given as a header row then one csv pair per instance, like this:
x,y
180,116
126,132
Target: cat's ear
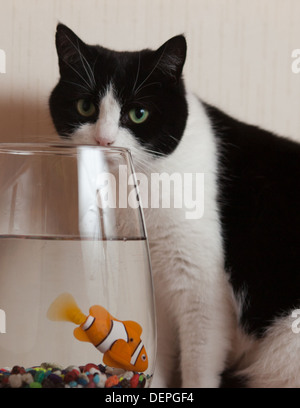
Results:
x,y
171,57
69,48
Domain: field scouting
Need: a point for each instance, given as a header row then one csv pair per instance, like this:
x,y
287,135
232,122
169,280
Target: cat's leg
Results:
x,y
206,330
273,361
195,308
194,299
167,359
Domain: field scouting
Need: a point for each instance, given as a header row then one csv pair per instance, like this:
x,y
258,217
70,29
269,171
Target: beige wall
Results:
x,y
239,54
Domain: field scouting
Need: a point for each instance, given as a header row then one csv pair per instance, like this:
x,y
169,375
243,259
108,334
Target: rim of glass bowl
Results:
x,y
68,149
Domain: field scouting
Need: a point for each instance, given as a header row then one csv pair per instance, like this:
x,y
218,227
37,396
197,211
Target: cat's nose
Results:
x,y
105,142
106,132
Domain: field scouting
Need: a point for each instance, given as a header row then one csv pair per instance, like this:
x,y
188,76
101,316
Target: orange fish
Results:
x,y
119,341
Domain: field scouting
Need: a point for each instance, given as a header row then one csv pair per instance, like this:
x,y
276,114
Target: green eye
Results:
x,y
138,115
86,108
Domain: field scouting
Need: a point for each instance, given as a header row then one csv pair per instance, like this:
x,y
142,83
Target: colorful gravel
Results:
x,y
53,376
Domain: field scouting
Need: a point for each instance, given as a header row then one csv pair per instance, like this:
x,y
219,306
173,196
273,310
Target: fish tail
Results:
x,y
65,308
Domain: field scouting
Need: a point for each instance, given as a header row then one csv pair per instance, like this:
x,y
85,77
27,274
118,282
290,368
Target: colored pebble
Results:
x,y
96,378
125,383
27,378
48,383
73,384
70,376
117,371
142,382
111,381
50,375
51,366
35,384
55,378
15,380
134,381
128,375
94,370
83,379
39,376
102,380
87,367
18,370
73,368
109,370
91,385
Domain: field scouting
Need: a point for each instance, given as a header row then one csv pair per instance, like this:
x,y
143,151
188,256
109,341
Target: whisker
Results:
x,y
142,162
76,72
144,97
138,73
155,152
86,67
142,166
90,85
146,86
77,84
172,137
146,149
156,65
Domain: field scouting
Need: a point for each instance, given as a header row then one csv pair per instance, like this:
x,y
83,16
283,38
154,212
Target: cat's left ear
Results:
x,y
70,48
171,57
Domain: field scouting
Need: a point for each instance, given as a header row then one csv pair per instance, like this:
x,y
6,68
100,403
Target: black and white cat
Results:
x,y
226,284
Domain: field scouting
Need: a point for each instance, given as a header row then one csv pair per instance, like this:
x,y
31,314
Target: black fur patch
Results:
x,y
259,181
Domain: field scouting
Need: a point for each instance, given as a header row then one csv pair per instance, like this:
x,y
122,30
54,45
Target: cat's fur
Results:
x,y
225,284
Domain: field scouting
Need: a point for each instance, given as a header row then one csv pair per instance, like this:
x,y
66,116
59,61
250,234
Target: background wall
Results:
x,y
239,55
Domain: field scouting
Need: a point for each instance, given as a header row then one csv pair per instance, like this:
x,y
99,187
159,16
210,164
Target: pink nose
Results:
x,y
105,142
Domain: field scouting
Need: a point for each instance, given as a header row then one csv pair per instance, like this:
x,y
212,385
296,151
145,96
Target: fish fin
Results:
x,y
107,360
119,355
64,308
134,326
81,334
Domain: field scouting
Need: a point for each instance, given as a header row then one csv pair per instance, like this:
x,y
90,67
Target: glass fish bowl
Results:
x,y
76,291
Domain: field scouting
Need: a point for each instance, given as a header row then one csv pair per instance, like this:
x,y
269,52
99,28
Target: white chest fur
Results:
x,y
194,303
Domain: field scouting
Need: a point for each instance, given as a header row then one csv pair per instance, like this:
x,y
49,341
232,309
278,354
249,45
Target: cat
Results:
x,y
227,283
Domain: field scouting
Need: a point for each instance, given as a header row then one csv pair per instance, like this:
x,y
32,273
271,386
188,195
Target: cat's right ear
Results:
x,y
171,57
70,48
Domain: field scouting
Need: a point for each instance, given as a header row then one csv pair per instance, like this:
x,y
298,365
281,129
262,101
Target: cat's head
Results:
x,y
125,99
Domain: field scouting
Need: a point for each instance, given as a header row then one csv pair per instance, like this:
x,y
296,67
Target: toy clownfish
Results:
x,y
119,341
